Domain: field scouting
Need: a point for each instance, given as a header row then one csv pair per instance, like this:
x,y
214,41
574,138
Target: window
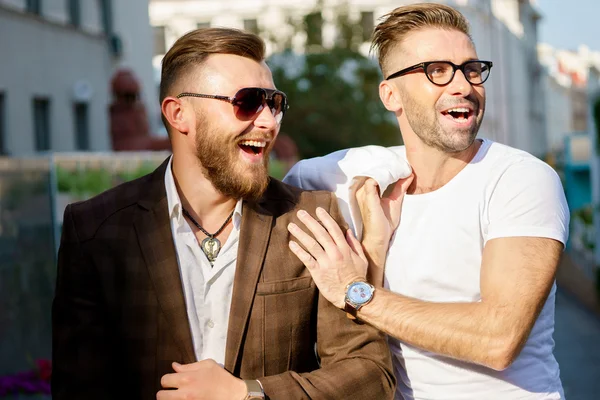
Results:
x,y
41,123
2,125
367,24
34,6
251,25
82,126
106,16
314,24
74,12
160,44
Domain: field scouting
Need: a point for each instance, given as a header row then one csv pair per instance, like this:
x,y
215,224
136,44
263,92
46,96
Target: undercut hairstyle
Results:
x,y
396,25
193,48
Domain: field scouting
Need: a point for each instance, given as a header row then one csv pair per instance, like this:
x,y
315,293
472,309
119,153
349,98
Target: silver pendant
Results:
x,y
211,247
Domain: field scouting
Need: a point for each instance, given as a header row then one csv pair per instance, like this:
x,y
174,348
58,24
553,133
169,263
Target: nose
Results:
x,y
459,85
265,119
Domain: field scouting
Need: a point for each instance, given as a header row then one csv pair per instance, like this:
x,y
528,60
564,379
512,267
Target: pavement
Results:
x,y
577,332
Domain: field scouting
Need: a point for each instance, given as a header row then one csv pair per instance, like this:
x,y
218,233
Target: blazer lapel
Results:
x,y
153,229
254,237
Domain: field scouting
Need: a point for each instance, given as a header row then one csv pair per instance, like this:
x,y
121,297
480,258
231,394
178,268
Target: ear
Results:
x,y
390,96
174,111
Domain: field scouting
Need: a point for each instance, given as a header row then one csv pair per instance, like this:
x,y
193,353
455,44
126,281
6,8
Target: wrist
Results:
x,y
358,294
343,289
375,250
241,390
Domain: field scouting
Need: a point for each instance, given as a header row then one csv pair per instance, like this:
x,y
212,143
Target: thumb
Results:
x,y
368,197
401,187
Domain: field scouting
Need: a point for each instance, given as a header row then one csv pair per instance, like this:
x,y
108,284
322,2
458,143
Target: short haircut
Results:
x,y
193,48
395,26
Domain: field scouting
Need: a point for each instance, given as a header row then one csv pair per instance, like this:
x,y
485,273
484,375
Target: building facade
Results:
x,y
58,57
504,31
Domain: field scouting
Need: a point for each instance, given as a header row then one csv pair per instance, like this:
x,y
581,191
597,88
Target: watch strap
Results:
x,y
255,390
350,310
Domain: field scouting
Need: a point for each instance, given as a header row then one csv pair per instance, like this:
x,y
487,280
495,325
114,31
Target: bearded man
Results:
x,y
180,284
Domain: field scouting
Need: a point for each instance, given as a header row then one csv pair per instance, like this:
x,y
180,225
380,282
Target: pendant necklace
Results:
x,y
210,245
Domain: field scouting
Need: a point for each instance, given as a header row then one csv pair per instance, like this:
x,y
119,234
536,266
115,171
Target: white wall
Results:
x,y
558,115
47,59
45,56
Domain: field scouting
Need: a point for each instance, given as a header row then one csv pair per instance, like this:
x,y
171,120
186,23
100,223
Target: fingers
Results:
x,y
303,255
401,188
173,381
167,395
332,228
324,238
355,245
313,248
186,367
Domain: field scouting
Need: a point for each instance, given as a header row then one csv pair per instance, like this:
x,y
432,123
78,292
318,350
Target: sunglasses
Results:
x,y
249,102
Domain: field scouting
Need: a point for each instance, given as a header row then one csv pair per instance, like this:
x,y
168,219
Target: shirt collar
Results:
x,y
174,201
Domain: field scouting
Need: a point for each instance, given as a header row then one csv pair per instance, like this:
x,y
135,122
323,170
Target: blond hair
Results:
x,y
396,25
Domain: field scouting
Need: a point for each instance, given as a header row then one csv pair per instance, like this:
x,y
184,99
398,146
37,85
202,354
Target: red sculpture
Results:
x,y
129,128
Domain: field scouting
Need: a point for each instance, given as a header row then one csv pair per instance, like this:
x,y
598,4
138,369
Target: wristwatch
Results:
x,y
255,390
358,293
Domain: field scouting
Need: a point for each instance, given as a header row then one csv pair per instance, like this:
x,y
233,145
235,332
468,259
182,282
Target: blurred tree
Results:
x,y
333,92
596,111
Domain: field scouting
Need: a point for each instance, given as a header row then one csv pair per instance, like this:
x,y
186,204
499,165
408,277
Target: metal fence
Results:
x,y
33,195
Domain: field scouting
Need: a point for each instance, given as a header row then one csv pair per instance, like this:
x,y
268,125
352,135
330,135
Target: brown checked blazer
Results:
x,y
119,316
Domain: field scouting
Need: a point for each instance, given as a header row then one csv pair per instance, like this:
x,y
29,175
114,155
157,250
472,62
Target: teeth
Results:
x,y
460,109
253,143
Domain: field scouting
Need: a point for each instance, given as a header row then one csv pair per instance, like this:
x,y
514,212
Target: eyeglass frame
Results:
x,y
461,67
269,96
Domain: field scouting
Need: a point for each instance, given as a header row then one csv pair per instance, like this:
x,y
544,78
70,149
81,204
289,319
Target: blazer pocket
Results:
x,y
287,286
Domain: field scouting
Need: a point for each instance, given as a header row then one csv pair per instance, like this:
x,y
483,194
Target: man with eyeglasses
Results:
x,y
475,228
180,284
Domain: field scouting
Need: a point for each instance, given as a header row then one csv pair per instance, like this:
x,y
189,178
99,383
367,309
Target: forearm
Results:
x,y
473,332
376,255
341,380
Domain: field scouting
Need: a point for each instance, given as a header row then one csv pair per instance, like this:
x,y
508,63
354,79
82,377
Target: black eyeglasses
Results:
x,y
442,72
248,102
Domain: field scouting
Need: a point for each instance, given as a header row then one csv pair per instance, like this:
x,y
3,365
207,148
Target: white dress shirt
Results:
x,y
207,290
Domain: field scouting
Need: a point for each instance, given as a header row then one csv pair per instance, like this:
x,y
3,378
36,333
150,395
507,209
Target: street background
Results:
x,y
79,114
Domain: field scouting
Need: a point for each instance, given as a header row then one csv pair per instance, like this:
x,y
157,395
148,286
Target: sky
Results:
x,y
566,24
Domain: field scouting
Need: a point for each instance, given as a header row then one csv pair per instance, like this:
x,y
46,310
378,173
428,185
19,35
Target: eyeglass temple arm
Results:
x,y
206,96
405,70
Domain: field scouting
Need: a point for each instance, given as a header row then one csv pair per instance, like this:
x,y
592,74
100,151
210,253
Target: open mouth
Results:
x,y
459,114
253,147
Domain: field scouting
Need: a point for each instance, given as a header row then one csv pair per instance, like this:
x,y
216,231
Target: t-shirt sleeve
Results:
x,y
528,200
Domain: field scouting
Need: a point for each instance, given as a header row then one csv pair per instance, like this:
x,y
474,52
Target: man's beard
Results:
x,y
426,125
219,159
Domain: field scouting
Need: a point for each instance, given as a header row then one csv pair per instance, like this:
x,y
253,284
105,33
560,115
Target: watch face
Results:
x,y
359,292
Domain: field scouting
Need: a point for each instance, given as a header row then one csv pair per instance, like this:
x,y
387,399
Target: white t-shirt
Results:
x,y
436,256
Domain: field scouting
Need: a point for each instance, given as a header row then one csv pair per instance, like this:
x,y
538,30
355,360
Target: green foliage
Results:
x,y
277,169
333,93
585,214
87,182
